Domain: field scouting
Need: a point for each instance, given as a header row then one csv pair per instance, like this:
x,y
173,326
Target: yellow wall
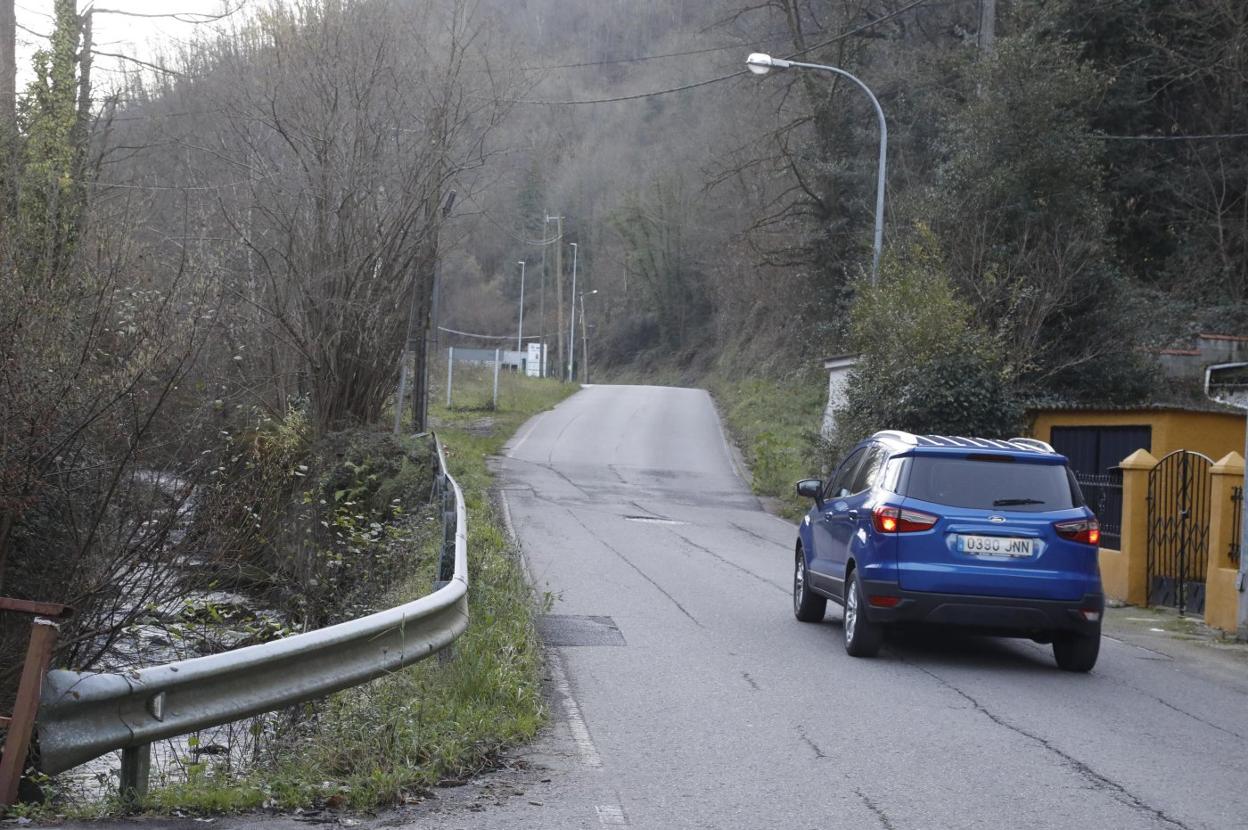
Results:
x,y
1222,581
1114,577
1212,433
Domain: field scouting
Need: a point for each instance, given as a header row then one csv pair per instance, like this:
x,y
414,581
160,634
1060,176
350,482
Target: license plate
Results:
x,y
995,545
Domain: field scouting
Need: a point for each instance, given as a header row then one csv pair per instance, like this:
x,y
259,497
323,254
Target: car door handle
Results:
x,y
853,514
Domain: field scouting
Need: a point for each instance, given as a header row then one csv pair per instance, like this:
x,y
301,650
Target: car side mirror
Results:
x,y
810,488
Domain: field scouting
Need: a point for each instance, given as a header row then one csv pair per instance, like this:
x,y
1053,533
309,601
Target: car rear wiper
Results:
x,y
1014,502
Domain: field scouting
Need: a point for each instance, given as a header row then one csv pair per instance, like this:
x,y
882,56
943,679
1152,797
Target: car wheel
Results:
x,y
1077,652
862,637
807,605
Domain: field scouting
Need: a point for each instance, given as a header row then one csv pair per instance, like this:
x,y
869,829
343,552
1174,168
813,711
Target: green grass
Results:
x,y
776,425
390,740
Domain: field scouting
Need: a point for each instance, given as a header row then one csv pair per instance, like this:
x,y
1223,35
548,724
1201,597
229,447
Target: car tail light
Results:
x,y
896,520
1087,531
881,601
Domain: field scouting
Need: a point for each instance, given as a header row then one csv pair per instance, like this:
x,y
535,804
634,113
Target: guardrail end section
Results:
x,y
22,724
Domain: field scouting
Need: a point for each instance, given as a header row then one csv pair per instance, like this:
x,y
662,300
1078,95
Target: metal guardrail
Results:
x,y
83,715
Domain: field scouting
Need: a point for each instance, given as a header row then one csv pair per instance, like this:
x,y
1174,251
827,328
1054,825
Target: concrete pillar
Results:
x,y
1130,578
1221,588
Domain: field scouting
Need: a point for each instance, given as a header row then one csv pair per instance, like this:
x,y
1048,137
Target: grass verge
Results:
x,y
776,425
390,740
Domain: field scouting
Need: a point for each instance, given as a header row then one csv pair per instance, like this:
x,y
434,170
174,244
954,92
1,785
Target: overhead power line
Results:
x,y
488,336
655,93
643,58
860,29
639,95
485,213
1212,136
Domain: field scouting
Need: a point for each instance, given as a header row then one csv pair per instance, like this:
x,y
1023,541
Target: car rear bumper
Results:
x,y
1009,616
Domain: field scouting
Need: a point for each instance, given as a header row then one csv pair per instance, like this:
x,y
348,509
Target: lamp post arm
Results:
x,y
879,185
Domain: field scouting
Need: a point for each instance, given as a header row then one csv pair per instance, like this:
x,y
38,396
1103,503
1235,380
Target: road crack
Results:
x,y
552,469
1183,712
632,565
801,733
885,821
760,537
728,562
1098,781
554,445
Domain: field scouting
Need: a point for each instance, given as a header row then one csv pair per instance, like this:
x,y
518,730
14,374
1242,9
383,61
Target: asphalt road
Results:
x,y
712,707
685,695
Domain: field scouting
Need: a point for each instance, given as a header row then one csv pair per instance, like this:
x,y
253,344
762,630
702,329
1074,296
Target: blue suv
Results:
x,y
988,535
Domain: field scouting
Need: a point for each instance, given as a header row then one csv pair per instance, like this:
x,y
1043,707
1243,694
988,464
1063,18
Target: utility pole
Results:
x,y
585,338
987,24
520,328
541,312
572,325
559,291
8,104
422,334
8,67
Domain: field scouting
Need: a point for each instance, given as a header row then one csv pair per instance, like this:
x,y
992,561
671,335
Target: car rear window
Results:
x,y
992,485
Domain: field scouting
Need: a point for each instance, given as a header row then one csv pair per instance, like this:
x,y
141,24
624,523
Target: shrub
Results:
x,y
925,366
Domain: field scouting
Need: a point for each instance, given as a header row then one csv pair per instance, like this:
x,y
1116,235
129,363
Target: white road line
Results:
x,y
576,724
611,815
511,453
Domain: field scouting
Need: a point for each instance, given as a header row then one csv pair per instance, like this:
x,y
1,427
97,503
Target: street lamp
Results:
x,y
572,322
520,329
585,333
761,64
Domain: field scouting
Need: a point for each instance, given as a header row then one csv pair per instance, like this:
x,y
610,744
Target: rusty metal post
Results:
x,y
21,726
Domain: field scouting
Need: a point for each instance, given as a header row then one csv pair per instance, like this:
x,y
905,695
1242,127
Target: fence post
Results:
x,y
450,370
498,360
1221,590
1128,579
21,726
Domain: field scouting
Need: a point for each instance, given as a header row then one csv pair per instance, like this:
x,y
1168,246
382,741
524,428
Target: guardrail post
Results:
x,y
136,766
17,743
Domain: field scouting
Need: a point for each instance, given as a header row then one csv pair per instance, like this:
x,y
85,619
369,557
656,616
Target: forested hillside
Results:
x,y
230,245
1072,176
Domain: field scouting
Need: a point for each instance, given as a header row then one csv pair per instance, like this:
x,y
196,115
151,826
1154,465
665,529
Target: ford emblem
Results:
x,y
997,520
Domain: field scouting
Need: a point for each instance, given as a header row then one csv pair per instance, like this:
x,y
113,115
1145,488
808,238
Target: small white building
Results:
x,y
838,368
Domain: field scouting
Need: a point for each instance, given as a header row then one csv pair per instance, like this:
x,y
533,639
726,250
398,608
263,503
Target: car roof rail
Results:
x,y
1033,444
898,435
964,442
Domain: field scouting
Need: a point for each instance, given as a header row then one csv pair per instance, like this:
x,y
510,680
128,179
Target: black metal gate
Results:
x,y
1178,530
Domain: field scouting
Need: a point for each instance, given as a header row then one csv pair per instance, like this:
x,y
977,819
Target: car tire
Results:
x,y
863,638
1077,652
807,605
